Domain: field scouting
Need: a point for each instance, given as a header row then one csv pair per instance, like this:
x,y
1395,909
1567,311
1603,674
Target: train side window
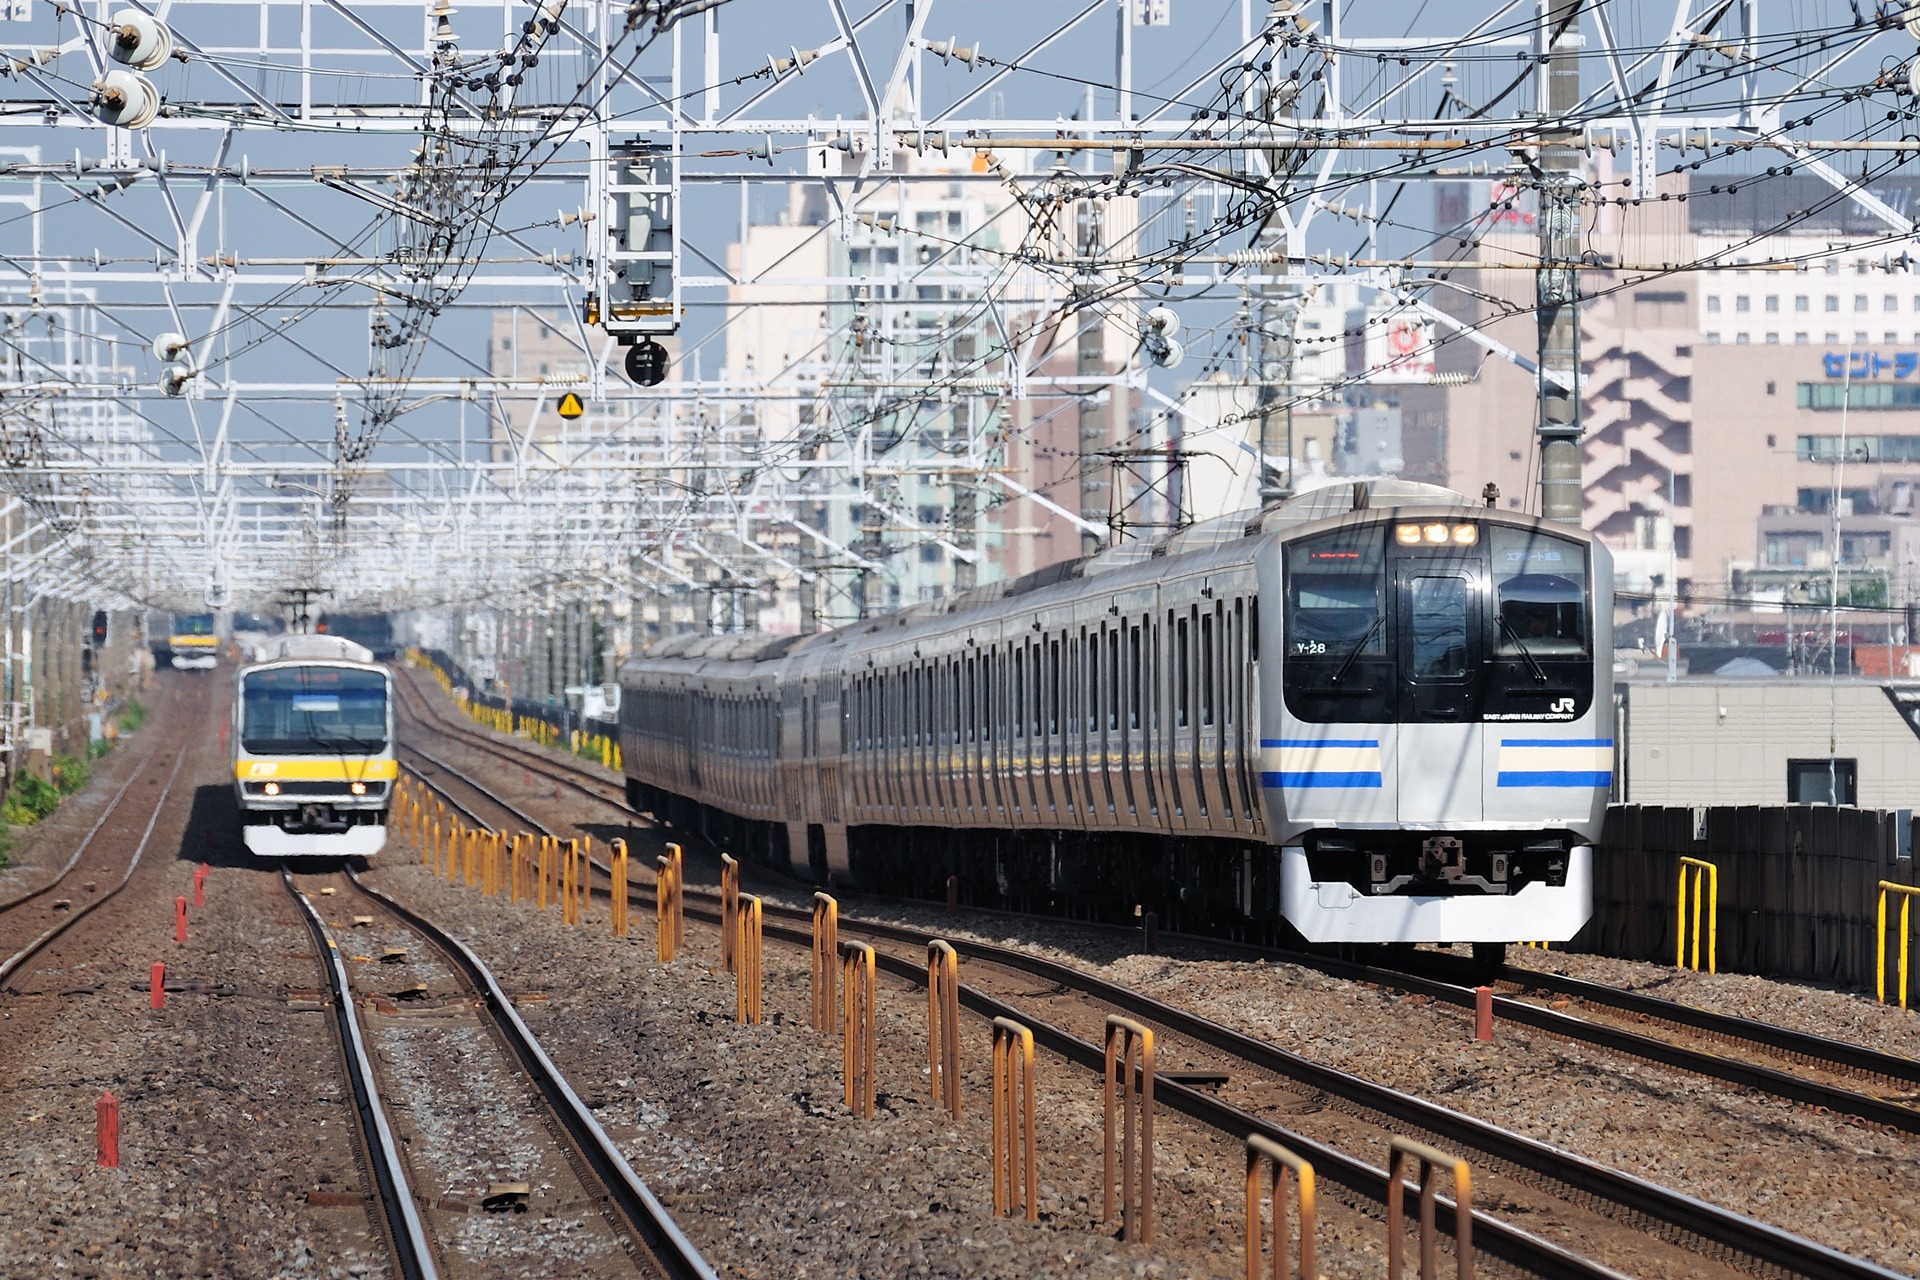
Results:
x,y
1207,633
1020,693
954,705
1053,689
1113,679
1134,699
1182,668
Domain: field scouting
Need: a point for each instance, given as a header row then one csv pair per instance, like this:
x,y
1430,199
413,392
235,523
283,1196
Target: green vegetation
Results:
x,y
133,714
33,799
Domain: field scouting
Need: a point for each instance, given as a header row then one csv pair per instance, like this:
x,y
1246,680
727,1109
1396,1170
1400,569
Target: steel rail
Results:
x,y
86,841
1492,1234
652,1225
1537,1256
1730,1070
13,963
1855,1057
481,740
1685,1214
413,1251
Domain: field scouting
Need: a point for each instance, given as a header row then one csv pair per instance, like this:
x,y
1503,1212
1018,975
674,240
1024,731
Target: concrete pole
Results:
x,y
1556,284
1096,483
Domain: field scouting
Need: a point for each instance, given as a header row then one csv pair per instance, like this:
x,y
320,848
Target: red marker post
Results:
x,y
106,1131
180,919
157,986
200,885
1483,1013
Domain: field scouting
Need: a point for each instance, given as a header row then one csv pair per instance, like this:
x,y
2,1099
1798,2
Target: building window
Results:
x,y
1791,549
1859,302
1800,338
1713,336
1742,303
1833,302
1831,781
1773,337
1831,337
1741,339
1800,303
1833,267
1773,302
1859,548
1890,303
1713,303
1859,395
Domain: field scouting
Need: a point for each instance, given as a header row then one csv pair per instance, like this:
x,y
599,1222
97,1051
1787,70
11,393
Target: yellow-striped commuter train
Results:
x,y
313,763
1378,712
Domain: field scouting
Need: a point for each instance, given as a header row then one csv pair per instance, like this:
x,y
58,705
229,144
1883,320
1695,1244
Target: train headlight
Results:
x,y
1466,535
271,788
1407,535
1435,532
358,788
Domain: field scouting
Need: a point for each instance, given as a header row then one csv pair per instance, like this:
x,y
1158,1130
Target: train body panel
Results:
x,y
313,760
1330,713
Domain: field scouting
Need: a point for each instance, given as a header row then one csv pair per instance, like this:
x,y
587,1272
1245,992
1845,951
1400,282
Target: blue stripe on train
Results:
x,y
1319,778
1555,778
1319,742
1556,742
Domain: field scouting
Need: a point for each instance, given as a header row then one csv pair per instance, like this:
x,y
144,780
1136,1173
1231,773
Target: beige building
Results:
x,y
1764,742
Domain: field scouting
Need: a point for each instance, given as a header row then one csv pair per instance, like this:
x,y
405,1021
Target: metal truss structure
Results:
x,y
249,253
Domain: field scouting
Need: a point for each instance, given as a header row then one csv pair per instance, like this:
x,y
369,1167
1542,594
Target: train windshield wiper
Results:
x,y
1353,654
1526,655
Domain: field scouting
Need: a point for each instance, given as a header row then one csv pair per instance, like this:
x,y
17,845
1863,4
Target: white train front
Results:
x,y
1378,712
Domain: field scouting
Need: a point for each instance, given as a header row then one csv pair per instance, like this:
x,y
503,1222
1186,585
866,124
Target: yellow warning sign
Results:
x,y
570,406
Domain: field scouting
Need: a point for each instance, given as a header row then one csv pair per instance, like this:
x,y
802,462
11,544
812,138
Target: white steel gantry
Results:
x,y
908,266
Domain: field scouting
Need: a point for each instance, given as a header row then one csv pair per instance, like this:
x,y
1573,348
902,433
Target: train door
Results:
x,y
1210,704
1439,635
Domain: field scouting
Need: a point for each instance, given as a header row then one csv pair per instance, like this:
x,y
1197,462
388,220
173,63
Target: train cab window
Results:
x,y
1337,665
1542,626
1438,632
1540,589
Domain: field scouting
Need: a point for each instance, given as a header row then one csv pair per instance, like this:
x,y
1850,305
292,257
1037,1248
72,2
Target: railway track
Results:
x,y
30,923
534,1145
1600,1193
1834,1061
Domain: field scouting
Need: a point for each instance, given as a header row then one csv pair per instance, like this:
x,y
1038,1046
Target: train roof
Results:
x,y
1206,535
312,648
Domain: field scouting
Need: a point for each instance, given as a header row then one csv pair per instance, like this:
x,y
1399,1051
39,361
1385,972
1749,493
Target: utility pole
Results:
x,y
1095,478
1556,291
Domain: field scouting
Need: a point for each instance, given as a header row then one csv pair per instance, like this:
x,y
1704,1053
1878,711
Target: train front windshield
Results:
x,y
1449,621
313,711
193,624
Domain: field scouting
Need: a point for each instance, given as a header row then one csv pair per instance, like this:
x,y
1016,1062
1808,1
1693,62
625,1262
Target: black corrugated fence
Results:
x,y
1798,886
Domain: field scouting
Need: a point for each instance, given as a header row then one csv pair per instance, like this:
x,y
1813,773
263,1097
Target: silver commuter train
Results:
x,y
1378,712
